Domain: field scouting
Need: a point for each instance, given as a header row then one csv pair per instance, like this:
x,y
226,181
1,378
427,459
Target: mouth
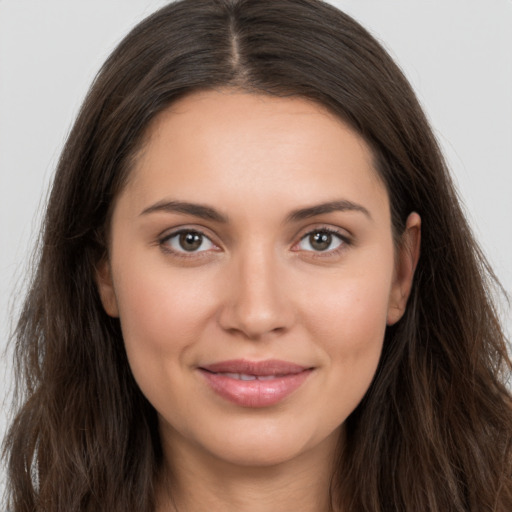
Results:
x,y
247,377
254,383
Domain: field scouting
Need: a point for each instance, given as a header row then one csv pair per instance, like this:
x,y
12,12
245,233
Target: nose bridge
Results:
x,y
257,303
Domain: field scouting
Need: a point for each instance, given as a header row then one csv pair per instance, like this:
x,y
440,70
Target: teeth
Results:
x,y
244,376
231,375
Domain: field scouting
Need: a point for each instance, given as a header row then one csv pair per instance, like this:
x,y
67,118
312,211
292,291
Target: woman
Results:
x,y
257,290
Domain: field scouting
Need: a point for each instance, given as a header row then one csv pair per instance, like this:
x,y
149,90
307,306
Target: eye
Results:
x,y
321,240
187,241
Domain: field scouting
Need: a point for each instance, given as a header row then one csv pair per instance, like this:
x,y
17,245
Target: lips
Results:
x,y
254,384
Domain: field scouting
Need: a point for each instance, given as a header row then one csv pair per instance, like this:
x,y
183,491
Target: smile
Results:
x,y
254,384
244,376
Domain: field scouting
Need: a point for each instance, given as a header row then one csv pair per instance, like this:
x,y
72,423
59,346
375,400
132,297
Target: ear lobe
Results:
x,y
406,261
106,288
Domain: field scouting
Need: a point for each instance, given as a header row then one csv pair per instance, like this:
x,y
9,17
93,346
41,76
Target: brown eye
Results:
x,y
190,241
321,241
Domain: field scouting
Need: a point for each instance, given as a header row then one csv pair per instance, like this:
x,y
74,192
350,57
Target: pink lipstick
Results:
x,y
254,383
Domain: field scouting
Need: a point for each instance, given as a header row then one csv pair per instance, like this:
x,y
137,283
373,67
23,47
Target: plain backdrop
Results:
x,y
456,53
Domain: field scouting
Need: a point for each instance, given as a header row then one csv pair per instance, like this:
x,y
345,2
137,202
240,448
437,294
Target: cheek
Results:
x,y
156,299
349,311
358,314
162,314
349,326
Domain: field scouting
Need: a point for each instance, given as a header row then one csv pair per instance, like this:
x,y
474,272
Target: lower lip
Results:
x,y
255,393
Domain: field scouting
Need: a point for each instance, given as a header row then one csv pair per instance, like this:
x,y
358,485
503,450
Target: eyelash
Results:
x,y
344,240
164,243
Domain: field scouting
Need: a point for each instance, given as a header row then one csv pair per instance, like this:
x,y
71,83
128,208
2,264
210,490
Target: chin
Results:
x,y
269,445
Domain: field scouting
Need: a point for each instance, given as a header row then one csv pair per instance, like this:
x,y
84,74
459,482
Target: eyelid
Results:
x,y
338,232
341,234
169,234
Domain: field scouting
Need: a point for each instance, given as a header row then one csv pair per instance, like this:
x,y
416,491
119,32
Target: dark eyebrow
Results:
x,y
341,205
197,210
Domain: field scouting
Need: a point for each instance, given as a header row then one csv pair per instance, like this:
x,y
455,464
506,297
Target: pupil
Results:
x,y
190,241
321,241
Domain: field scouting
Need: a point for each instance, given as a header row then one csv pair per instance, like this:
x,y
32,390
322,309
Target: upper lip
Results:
x,y
258,368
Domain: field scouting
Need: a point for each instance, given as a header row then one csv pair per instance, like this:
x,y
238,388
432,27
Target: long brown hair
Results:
x,y
433,432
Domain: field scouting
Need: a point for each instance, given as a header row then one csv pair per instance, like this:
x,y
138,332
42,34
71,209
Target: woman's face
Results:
x,y
253,270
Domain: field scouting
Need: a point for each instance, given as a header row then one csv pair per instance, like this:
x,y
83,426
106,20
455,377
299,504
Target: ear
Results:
x,y
106,288
406,260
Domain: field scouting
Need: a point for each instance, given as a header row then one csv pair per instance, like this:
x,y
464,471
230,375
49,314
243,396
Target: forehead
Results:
x,y
214,145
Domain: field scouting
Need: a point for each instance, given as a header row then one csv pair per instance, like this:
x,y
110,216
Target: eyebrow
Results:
x,y
197,210
209,213
341,205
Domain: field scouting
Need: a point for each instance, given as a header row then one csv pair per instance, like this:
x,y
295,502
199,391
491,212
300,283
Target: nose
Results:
x,y
257,301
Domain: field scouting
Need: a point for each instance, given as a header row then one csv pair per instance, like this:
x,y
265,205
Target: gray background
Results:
x,y
456,53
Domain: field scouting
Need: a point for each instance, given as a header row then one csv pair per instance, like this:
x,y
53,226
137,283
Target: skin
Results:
x,y
257,288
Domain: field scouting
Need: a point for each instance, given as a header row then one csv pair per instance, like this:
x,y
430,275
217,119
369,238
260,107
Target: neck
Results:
x,y
194,481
